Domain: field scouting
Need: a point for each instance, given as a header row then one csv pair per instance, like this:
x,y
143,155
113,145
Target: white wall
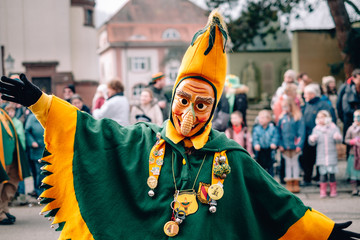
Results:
x,y
108,66
49,30
85,62
36,30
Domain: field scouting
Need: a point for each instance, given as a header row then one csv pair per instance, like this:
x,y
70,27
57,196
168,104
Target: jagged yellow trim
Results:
x,y
312,225
59,140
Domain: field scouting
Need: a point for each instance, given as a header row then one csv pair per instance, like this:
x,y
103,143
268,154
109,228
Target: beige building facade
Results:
x,y
53,42
145,37
313,52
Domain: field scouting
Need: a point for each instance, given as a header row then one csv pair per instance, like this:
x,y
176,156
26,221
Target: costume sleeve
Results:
x,y
272,211
59,118
41,108
313,225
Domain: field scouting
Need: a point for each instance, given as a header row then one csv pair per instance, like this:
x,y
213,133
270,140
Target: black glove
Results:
x,y
338,232
19,91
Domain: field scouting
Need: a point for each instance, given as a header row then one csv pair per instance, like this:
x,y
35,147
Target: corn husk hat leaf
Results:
x,y
205,59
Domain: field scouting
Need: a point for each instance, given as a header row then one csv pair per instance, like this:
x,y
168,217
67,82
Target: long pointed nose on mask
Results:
x,y
188,120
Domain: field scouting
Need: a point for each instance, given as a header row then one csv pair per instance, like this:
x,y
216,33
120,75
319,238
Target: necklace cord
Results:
x,y
197,175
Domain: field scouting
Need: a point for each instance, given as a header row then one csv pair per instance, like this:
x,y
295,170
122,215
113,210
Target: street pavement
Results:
x,y
31,226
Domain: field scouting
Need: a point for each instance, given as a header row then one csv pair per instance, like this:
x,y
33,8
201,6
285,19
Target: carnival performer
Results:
x,y
13,166
181,180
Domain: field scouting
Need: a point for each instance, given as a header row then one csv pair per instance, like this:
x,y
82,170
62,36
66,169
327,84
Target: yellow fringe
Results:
x,y
59,140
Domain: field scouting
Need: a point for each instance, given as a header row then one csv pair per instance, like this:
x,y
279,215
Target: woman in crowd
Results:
x,y
147,110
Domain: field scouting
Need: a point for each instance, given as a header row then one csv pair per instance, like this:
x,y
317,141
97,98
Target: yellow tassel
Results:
x,y
216,14
184,161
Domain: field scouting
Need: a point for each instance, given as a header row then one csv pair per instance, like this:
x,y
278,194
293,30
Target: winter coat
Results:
x,y
221,115
291,132
352,132
310,111
243,138
348,102
34,132
151,111
116,108
326,153
265,137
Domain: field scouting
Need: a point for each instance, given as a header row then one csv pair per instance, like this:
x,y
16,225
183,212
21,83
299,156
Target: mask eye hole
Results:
x,y
201,106
184,101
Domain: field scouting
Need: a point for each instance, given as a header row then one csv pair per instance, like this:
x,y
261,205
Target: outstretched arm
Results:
x,y
27,94
19,90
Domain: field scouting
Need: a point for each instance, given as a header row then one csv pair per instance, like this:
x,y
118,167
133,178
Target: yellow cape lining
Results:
x,y
59,140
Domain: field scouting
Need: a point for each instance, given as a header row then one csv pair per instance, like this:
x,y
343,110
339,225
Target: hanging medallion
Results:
x,y
186,201
171,228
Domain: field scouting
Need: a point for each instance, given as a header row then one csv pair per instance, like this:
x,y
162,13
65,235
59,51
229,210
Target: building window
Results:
x,y
139,64
171,34
89,17
137,89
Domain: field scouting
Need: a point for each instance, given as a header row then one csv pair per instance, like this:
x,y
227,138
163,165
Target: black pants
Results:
x,y
265,159
307,161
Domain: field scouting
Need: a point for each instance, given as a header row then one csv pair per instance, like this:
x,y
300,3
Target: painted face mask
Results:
x,y
192,106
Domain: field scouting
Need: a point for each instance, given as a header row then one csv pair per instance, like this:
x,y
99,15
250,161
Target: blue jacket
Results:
x,y
310,111
291,132
34,132
265,137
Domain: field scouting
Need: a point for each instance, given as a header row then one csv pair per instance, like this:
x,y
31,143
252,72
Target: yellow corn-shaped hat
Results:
x,y
205,58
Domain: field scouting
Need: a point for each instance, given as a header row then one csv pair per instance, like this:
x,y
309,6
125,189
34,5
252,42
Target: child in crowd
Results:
x,y
291,139
239,132
352,138
325,135
265,141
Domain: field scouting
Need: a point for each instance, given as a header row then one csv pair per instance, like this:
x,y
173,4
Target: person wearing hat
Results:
x,y
236,95
157,85
68,92
181,180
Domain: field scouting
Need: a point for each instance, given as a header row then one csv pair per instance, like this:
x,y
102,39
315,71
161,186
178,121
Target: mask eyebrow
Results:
x,y
208,100
183,94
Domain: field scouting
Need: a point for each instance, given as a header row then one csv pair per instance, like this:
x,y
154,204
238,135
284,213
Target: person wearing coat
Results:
x,y
312,106
116,107
13,166
35,146
147,110
107,181
325,136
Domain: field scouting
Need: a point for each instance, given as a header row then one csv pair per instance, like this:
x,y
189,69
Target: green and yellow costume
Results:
x,y
11,150
97,172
